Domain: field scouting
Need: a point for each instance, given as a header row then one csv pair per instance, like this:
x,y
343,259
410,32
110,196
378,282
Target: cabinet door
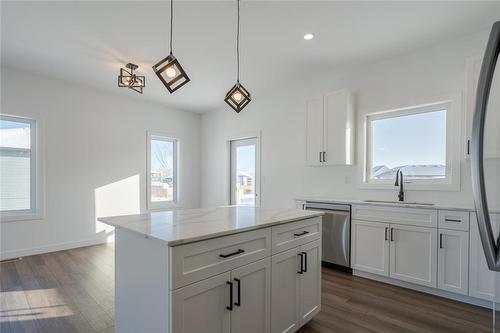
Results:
x,y
413,254
453,261
285,291
370,247
201,306
339,128
310,281
314,132
482,281
252,298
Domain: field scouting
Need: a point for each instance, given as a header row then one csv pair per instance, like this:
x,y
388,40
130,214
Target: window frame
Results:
x,y
258,181
158,205
36,199
452,104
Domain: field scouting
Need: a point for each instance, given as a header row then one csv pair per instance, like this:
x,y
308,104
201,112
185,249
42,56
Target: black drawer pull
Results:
x,y
452,220
301,263
301,233
230,307
238,292
305,262
231,254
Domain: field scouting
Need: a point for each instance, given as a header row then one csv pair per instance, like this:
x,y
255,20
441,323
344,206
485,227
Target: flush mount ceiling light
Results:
x,y
237,97
128,79
308,36
168,70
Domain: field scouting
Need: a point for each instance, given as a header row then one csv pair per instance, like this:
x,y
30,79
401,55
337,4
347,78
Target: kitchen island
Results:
x,y
217,270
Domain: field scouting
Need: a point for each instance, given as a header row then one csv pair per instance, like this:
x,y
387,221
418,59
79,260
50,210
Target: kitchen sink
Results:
x,y
400,202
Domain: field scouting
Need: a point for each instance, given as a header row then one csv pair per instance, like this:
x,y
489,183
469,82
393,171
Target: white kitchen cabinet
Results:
x,y
310,282
296,287
330,129
413,254
314,132
370,247
453,261
285,291
201,307
482,281
252,298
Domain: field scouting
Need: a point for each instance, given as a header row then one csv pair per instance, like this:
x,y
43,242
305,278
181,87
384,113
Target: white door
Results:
x,y
201,306
453,261
338,128
370,247
482,281
252,298
285,291
310,281
244,171
413,254
314,132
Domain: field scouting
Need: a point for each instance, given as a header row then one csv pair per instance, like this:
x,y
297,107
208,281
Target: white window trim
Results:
x,y
453,146
37,210
151,206
227,178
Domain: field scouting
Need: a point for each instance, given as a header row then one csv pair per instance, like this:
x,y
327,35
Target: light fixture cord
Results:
x,y
171,23
238,45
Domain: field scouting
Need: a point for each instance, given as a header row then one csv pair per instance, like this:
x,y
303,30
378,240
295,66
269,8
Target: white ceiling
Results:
x,y
88,42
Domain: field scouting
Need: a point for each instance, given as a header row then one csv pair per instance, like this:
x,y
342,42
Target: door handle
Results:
x,y
231,254
238,292
488,239
392,234
324,156
301,263
305,232
385,233
305,262
440,241
320,157
230,307
453,220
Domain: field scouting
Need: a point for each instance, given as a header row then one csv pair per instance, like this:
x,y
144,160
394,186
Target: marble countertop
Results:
x,y
468,207
181,226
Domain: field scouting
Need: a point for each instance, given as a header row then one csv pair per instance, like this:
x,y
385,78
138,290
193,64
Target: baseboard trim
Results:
x,y
5,255
428,290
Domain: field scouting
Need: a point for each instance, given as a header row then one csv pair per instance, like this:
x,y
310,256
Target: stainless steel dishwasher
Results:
x,y
336,233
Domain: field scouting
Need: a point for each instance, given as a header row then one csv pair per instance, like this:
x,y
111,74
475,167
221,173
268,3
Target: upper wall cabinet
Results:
x,y
491,139
330,129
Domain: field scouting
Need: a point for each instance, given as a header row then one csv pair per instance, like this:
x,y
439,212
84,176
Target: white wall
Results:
x,y
407,80
94,154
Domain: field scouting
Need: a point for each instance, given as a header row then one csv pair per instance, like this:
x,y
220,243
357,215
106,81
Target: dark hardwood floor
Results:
x,y
72,291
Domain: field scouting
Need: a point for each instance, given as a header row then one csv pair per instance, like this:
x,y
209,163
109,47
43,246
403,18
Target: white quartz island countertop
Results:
x,y
181,226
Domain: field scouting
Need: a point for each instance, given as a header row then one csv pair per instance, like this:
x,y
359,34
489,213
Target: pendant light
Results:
x,y
128,79
238,97
169,70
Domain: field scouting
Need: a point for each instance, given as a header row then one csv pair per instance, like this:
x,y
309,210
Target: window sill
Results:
x,y
6,218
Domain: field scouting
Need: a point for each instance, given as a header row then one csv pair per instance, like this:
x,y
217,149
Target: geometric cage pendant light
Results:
x,y
237,97
169,70
128,78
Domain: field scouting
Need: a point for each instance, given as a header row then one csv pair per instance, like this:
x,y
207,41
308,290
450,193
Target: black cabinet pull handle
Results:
x,y
238,292
305,262
320,157
440,241
392,234
231,254
230,307
305,232
452,220
386,230
324,156
301,262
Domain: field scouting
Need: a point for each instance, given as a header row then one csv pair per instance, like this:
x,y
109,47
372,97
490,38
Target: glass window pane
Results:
x,y
414,143
15,165
245,175
162,170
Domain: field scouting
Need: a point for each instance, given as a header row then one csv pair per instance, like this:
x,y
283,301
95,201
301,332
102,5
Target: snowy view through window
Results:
x,y
162,170
414,144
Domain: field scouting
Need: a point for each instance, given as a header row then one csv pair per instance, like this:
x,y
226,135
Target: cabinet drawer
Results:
x,y
400,215
290,235
200,260
454,219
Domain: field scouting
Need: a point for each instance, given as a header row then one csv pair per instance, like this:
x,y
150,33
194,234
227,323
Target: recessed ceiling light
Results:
x,y
308,36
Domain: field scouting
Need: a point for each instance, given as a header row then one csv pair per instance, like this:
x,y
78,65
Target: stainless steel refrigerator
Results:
x,y
485,165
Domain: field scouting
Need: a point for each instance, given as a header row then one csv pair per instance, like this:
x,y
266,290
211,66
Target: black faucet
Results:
x,y
401,195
